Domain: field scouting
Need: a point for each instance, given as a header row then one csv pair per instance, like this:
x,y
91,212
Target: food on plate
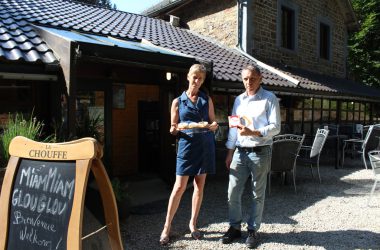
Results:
x,y
247,121
183,125
193,125
202,124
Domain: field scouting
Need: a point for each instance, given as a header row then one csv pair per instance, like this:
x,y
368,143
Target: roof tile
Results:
x,y
16,16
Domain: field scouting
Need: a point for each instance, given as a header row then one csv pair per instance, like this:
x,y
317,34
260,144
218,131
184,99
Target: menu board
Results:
x,y
42,198
43,192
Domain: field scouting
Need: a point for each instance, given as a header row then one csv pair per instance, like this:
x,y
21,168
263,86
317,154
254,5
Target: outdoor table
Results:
x,y
353,142
338,139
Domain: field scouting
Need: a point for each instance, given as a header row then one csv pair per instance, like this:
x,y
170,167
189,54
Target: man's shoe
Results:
x,y
253,239
231,235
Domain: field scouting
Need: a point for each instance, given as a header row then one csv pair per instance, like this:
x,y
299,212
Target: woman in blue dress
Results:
x,y
193,121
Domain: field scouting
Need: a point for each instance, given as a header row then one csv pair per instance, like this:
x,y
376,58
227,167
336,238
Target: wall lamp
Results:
x,y
168,76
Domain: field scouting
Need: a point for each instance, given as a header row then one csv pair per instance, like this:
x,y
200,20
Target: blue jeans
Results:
x,y
243,165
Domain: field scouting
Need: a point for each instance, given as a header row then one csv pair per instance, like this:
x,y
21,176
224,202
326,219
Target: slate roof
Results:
x,y
18,41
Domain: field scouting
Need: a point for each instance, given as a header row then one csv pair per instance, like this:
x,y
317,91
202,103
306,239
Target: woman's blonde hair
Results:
x,y
197,68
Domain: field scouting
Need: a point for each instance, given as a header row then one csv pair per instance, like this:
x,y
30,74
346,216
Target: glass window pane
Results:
x,y
344,105
350,106
350,116
333,105
326,104
297,116
307,115
343,115
308,103
297,102
283,115
90,114
356,116
361,116
357,106
317,115
317,103
221,108
325,116
332,115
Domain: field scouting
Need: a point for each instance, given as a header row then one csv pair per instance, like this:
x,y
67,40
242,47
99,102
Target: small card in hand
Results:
x,y
233,121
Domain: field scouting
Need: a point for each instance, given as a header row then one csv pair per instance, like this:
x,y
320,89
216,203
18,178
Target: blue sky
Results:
x,y
134,6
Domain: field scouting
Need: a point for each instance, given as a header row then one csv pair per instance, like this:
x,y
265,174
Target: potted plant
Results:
x,y
17,125
122,198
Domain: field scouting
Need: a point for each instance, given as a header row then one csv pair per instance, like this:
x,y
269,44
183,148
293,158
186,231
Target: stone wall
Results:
x,y
218,19
306,56
212,18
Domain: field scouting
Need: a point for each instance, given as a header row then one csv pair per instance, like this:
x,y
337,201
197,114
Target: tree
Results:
x,y
364,45
103,3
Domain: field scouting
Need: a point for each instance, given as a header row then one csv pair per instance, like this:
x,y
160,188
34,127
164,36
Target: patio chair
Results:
x,y
354,145
374,157
315,151
285,151
371,142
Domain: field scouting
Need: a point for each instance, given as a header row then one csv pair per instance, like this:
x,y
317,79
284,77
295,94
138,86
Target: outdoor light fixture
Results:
x,y
168,76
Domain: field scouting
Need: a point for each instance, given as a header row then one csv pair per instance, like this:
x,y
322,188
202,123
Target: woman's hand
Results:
x,y
213,126
173,129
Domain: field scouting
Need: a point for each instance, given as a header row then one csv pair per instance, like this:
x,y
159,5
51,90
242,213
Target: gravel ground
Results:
x,y
332,215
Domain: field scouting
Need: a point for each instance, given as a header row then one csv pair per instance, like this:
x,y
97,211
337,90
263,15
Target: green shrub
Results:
x,y
119,189
19,126
91,127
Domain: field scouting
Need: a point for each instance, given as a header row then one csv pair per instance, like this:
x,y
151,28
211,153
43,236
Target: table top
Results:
x,y
354,140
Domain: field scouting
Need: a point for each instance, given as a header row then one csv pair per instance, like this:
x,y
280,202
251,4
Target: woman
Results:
x,y
196,147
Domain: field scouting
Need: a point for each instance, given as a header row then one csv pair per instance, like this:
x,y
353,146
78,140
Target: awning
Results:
x,y
70,46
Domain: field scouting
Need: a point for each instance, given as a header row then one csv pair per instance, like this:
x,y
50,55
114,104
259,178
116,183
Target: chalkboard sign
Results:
x,y
42,197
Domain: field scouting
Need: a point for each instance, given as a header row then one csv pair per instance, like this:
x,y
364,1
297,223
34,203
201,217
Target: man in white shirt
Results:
x,y
249,153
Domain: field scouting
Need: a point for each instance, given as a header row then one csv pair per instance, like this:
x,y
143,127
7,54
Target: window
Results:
x,y
324,41
287,19
287,28
355,112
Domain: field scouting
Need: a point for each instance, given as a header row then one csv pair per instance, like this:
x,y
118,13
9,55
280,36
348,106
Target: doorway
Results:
x,y
149,142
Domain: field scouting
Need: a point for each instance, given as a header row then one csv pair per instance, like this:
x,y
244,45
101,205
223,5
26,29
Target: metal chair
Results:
x,y
374,158
315,151
285,151
371,142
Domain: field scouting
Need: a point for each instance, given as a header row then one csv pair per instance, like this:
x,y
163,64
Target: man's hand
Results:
x,y
245,131
230,154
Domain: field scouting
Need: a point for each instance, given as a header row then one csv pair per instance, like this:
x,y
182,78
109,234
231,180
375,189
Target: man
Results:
x,y
249,153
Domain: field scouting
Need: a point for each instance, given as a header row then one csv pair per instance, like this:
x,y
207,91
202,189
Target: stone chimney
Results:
x,y
174,21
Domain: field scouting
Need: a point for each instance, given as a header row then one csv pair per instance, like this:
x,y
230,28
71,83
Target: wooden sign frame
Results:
x,y
86,153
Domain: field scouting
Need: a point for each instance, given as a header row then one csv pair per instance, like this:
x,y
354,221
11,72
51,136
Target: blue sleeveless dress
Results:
x,y
196,147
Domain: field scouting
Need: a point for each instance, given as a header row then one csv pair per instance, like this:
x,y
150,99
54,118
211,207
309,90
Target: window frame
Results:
x,y
290,5
326,22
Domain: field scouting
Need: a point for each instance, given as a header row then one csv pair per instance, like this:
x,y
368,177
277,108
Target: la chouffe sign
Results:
x,y
42,196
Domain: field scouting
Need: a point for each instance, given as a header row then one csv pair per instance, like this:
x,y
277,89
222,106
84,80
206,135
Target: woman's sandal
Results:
x,y
196,235
164,240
